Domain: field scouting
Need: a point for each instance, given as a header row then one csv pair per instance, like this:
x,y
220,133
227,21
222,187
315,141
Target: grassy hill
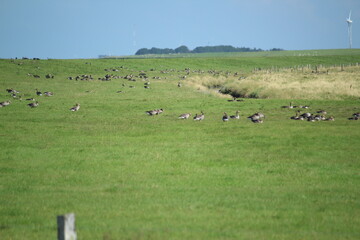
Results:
x,y
127,175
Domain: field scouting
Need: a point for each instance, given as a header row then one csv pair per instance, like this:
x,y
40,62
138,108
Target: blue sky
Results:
x,y
88,28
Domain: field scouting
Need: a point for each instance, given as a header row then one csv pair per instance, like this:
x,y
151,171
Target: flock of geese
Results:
x,y
33,103
257,117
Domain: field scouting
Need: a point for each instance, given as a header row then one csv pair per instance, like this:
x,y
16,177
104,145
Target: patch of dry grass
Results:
x,y
326,83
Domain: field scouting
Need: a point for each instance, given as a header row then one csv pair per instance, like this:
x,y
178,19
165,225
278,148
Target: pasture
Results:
x,y
127,175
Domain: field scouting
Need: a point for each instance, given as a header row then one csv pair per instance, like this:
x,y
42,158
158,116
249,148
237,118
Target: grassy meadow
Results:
x,y
127,175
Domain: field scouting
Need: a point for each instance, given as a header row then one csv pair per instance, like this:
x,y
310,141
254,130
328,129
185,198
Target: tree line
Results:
x,y
204,49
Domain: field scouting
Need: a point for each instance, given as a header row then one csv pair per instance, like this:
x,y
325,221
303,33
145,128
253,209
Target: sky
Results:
x,y
65,29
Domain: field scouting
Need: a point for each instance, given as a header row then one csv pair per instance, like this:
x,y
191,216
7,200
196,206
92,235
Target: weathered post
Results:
x,y
66,227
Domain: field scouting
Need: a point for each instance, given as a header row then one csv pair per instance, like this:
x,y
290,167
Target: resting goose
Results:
x,y
5,103
199,117
185,116
49,94
236,116
75,108
34,104
290,106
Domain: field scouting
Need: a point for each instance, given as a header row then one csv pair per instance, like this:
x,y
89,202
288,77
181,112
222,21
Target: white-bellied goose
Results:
x,y
75,108
236,116
185,116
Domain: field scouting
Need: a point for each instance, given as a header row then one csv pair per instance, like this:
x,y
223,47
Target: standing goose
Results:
x,y
236,116
225,118
75,108
38,92
34,104
185,116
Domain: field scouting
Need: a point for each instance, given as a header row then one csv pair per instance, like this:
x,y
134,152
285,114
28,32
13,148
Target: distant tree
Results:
x,y
142,51
202,49
276,49
182,49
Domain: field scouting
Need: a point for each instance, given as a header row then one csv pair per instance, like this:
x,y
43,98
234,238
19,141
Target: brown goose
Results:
x,y
331,118
185,116
5,103
49,94
34,104
257,117
199,117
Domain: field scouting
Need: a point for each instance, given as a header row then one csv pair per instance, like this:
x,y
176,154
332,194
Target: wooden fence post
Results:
x,y
66,227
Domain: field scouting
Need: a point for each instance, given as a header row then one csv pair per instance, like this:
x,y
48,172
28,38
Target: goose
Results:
x,y
152,112
75,108
4,104
147,87
49,94
254,117
297,115
356,116
30,99
236,116
179,84
306,107
322,112
290,106
34,104
318,117
185,116
306,115
38,92
331,118
225,118
199,117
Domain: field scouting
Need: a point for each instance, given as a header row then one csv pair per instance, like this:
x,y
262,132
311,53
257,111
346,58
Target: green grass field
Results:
x,y
127,175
